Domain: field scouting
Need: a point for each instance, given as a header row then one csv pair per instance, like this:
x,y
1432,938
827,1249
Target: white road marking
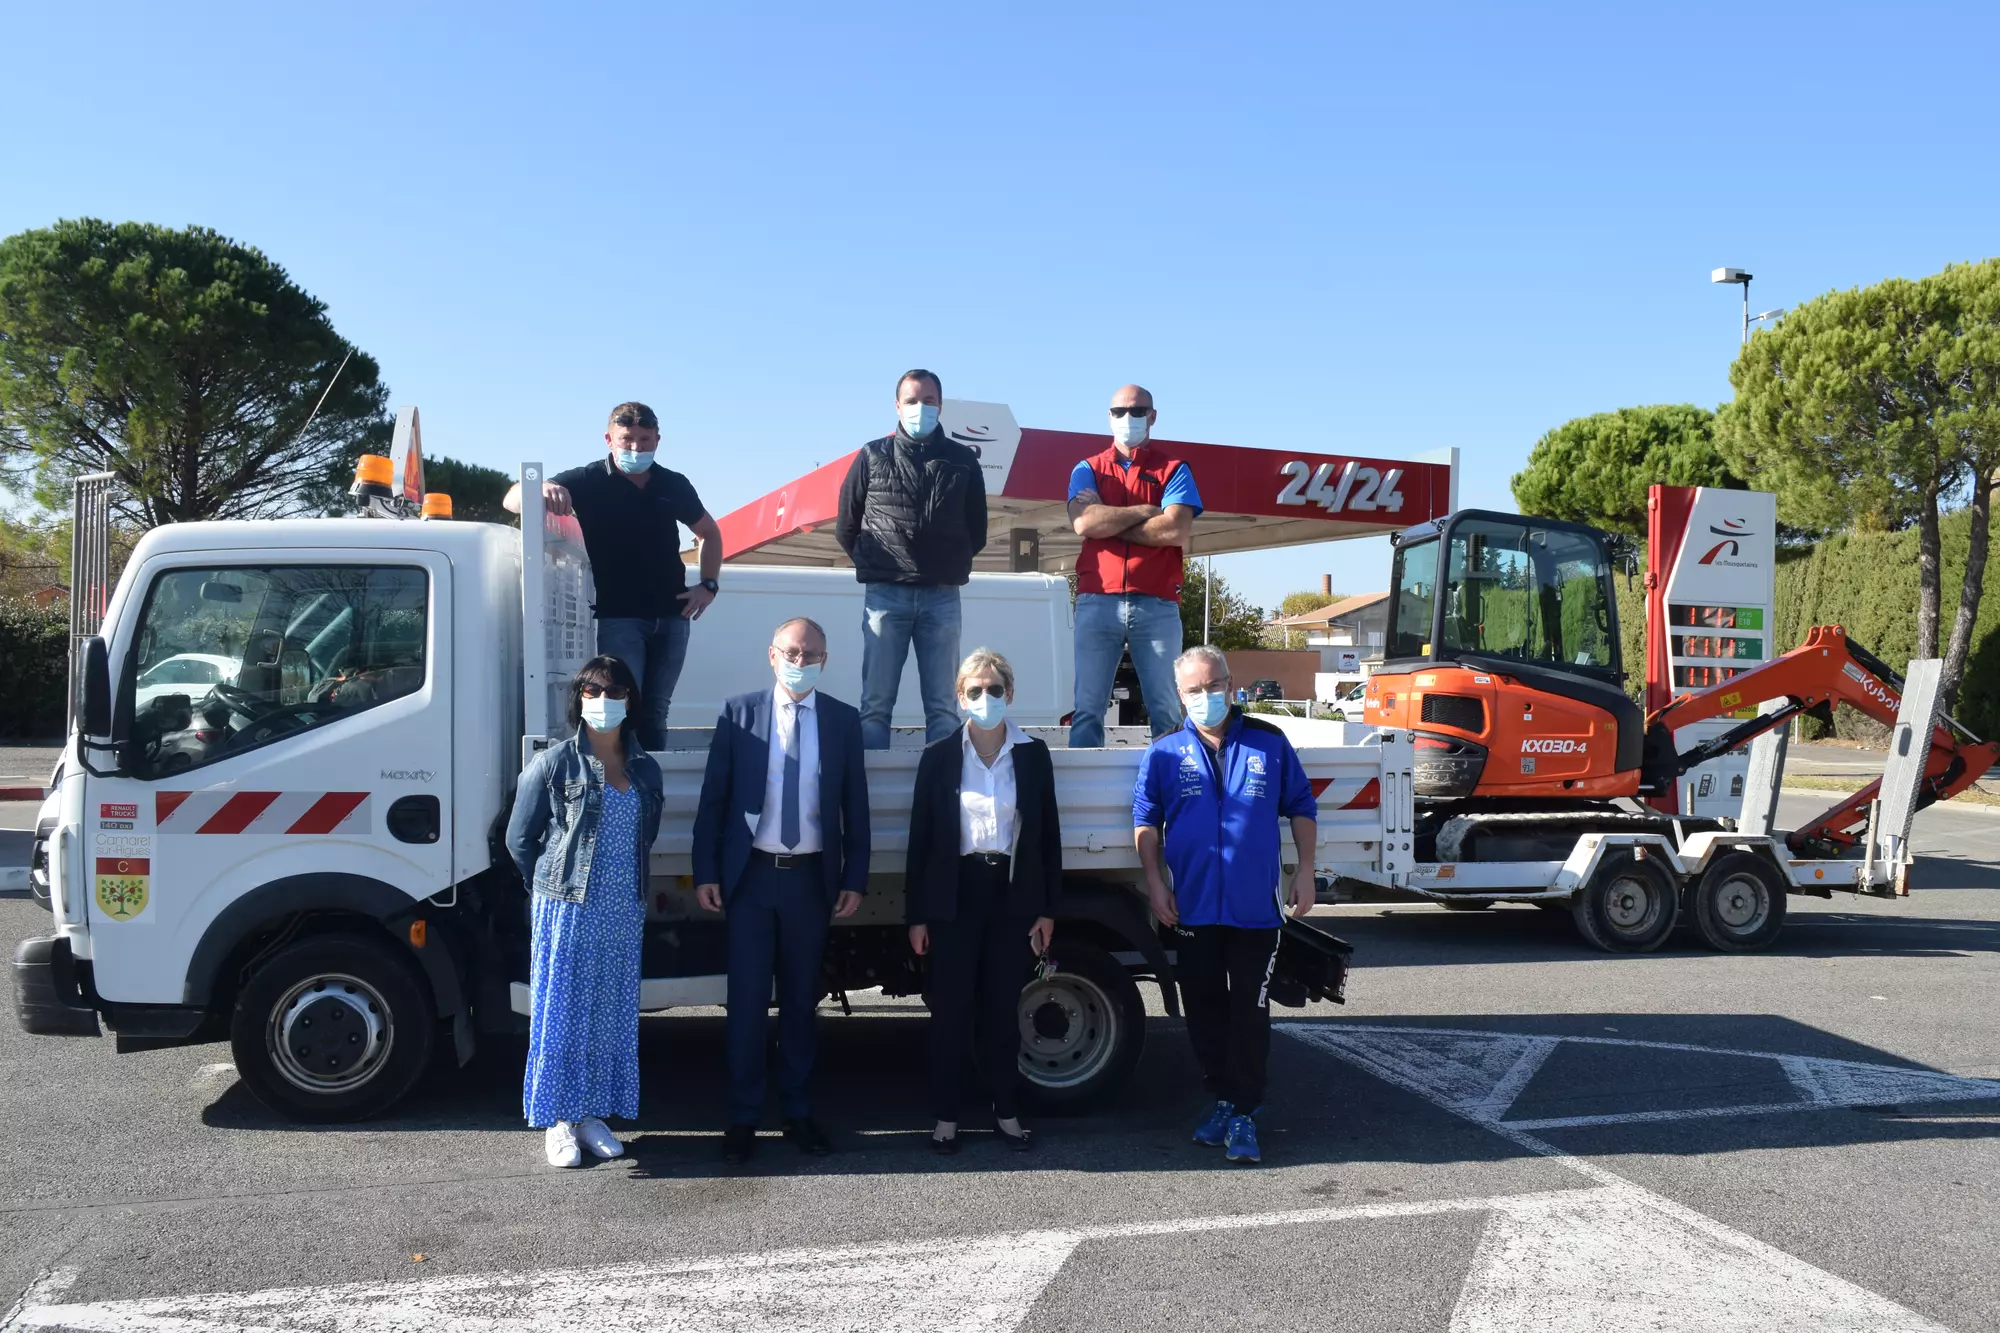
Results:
x,y
1620,1257
971,1283
1610,1260
1479,1074
1656,1117
1608,1255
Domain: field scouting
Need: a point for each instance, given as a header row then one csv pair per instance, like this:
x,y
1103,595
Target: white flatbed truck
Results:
x,y
306,859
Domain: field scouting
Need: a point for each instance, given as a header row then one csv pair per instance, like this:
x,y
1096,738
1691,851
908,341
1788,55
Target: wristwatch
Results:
x,y
711,585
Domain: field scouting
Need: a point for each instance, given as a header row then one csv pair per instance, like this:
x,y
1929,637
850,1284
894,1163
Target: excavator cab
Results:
x,y
1502,653
1503,586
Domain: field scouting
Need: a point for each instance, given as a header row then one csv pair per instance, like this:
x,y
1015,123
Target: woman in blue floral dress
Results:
x,y
585,816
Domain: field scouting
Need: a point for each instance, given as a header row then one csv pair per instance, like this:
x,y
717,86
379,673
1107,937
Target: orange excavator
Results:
x,y
1502,655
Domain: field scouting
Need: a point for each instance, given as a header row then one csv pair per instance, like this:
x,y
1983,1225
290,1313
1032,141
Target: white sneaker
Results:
x,y
598,1138
561,1141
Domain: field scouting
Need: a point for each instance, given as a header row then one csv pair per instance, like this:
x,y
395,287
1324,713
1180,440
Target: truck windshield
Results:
x,y
231,658
1534,593
1416,593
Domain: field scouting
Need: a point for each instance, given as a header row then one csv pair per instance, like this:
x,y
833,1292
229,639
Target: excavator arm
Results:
x,y
1826,669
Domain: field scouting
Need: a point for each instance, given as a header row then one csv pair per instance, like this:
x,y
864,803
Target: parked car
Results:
x,y
1265,691
1347,702
192,674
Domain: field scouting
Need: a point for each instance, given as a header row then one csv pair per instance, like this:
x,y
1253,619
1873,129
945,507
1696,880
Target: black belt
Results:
x,y
787,860
987,858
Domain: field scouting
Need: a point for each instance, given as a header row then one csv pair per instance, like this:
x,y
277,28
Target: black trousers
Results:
x,y
1225,976
978,963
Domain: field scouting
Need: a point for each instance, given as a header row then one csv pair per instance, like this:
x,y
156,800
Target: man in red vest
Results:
x,y
1134,508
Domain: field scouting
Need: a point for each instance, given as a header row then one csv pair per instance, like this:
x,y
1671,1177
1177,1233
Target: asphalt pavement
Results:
x,y
1500,1130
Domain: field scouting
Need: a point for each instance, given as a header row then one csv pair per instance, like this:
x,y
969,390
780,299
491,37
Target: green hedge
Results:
x,y
1867,584
34,661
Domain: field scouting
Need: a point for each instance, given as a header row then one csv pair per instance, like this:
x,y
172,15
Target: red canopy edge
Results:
x,y
1252,498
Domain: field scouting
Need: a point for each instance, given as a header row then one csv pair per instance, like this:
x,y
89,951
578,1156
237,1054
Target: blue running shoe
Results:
x,y
1242,1140
1214,1131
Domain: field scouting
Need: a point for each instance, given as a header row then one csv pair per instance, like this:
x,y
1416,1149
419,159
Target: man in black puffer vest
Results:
x,y
912,516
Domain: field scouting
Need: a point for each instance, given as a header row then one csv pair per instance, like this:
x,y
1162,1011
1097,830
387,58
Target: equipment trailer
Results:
x,y
1532,763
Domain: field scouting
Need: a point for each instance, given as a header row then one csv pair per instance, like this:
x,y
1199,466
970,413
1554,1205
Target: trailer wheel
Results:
x,y
1082,1030
1738,905
332,1028
1628,906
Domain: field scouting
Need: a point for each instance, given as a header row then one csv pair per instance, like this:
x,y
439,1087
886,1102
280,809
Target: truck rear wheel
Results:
x,y
1738,905
332,1028
1628,906
1082,1030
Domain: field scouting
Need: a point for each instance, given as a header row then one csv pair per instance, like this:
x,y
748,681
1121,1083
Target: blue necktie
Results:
x,y
788,830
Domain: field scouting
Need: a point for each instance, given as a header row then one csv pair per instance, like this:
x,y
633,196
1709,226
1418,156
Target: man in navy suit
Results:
x,y
781,836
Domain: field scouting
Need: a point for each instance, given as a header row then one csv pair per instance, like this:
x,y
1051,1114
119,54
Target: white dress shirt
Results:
x,y
767,835
987,819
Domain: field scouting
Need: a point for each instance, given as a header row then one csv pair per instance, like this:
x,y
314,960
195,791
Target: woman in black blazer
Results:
x,y
984,872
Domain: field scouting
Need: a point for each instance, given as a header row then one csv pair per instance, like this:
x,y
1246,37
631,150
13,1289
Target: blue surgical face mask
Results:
x,y
604,714
631,462
987,710
1207,708
919,419
798,677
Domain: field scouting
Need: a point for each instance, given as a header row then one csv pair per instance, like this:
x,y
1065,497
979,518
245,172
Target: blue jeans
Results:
x,y
655,650
1105,624
893,615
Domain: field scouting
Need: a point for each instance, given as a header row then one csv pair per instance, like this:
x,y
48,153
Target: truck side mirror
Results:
x,y
94,717
93,714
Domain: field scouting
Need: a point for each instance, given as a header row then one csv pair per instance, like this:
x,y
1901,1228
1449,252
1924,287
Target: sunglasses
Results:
x,y
1130,411
800,657
980,691
592,690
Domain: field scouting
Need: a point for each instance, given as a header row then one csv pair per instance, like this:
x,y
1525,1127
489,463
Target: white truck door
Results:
x,y
558,634
290,714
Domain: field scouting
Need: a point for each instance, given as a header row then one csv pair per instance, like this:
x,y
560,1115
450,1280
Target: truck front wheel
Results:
x,y
332,1028
1082,1030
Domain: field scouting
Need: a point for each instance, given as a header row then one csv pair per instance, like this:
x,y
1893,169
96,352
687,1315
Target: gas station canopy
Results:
x,y
1252,498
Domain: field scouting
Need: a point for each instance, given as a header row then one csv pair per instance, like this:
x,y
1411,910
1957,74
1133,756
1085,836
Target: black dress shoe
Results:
x,y
944,1147
1016,1142
809,1137
739,1143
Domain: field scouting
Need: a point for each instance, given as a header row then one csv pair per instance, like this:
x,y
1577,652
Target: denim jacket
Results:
x,y
553,831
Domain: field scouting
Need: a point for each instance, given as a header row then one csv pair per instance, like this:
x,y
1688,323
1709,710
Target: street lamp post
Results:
x,y
1737,275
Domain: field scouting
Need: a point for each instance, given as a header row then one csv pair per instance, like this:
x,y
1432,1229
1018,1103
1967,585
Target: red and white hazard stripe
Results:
x,y
261,812
1347,793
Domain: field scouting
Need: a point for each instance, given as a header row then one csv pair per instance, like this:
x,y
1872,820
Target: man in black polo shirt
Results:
x,y
631,511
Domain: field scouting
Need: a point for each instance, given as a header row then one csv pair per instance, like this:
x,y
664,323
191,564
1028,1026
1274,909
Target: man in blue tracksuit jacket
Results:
x,y
1218,788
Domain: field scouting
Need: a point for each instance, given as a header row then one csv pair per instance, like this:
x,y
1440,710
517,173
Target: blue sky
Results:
x,y
1384,229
